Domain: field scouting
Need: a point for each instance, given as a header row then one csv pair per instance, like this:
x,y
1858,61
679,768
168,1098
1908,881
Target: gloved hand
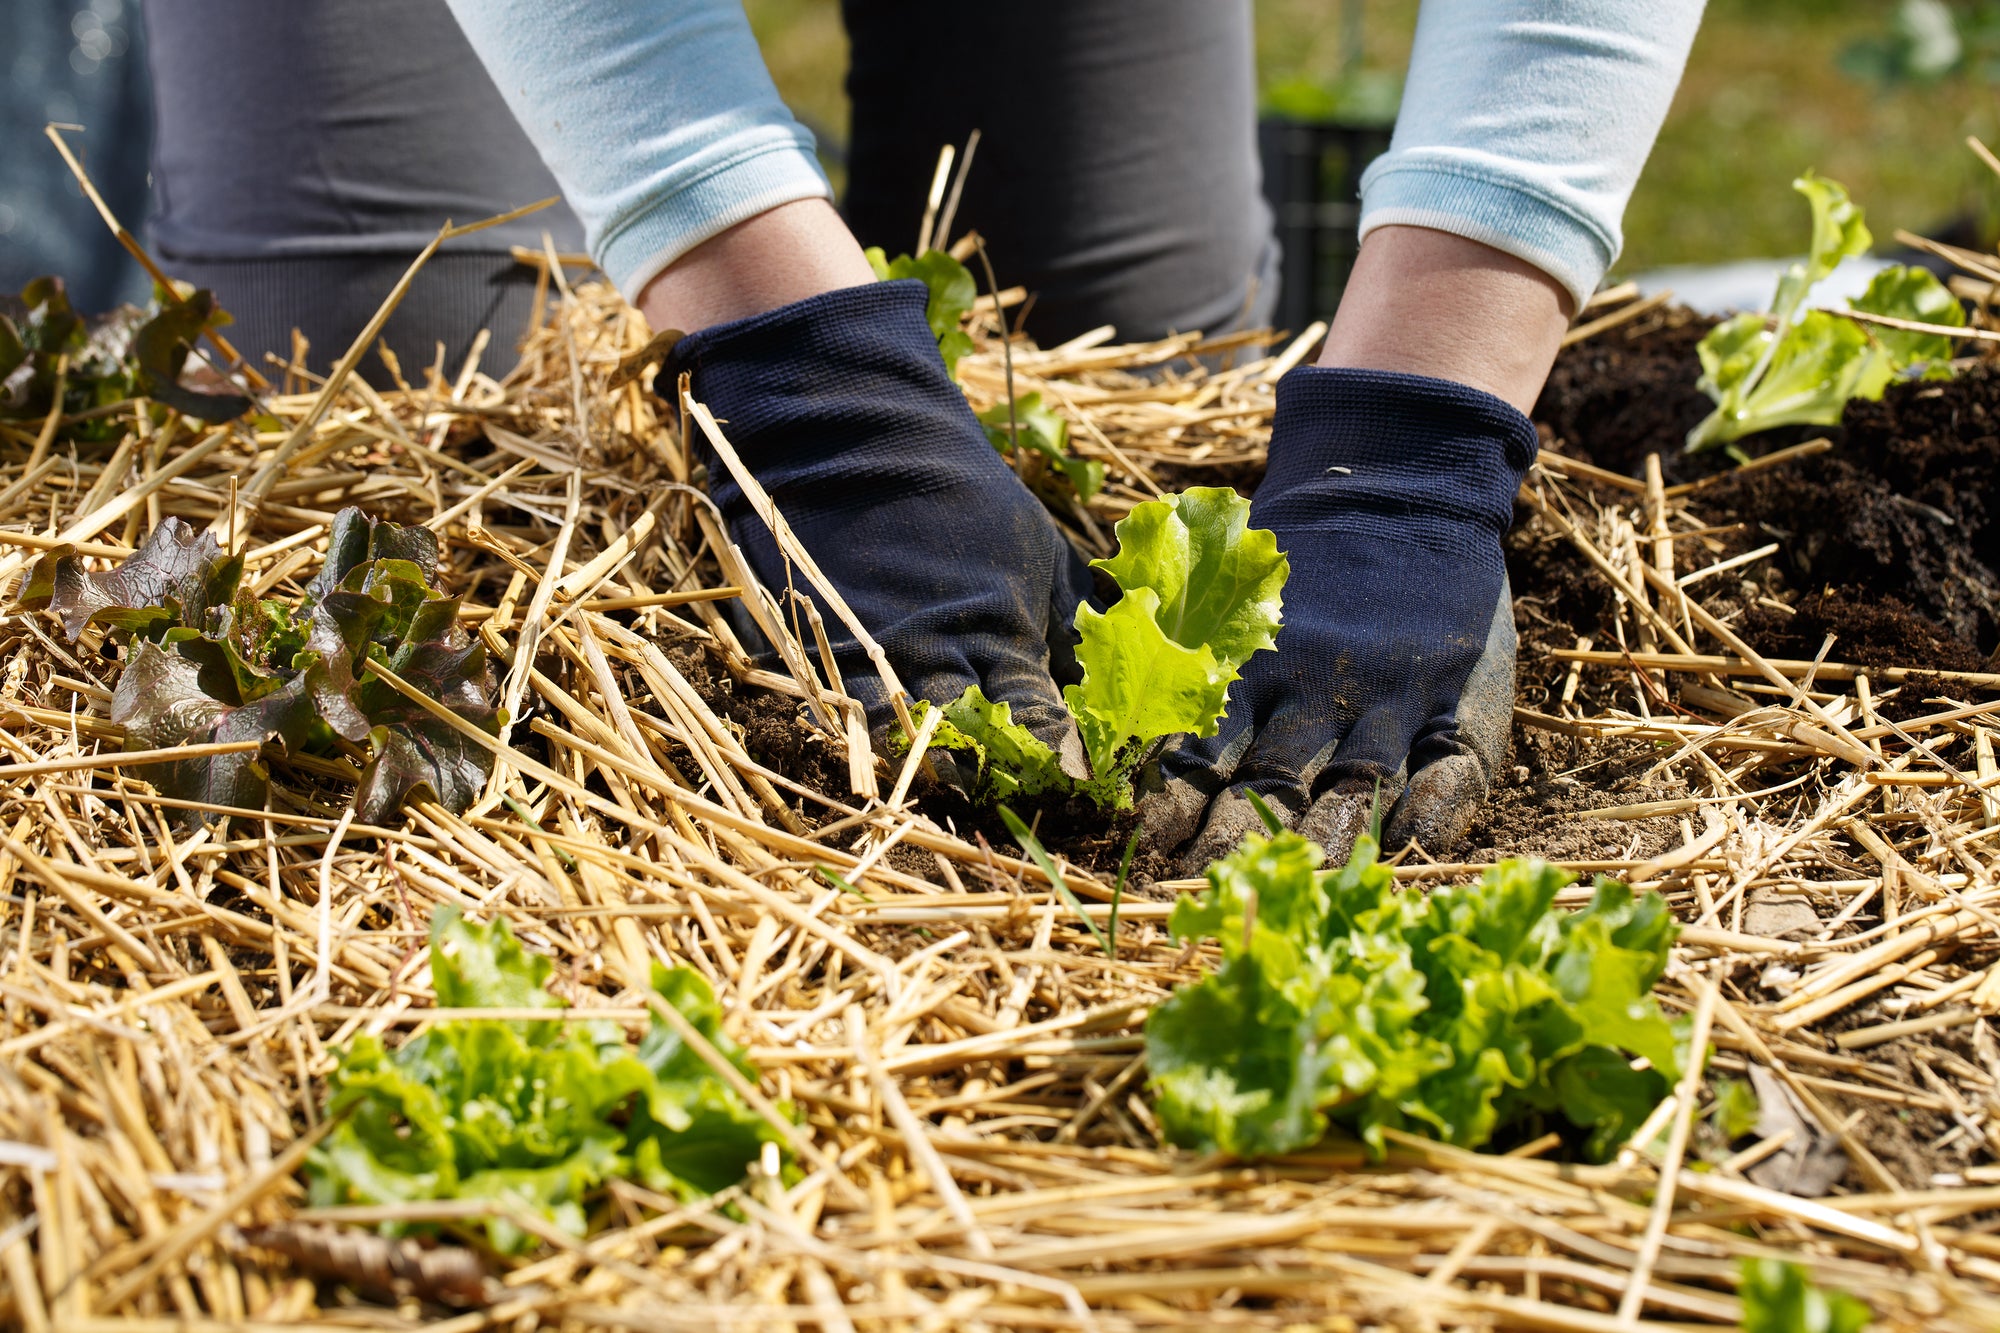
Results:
x,y
1395,666
841,408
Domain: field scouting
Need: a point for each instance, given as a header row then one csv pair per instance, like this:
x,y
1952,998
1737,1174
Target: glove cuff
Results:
x,y
1408,440
869,340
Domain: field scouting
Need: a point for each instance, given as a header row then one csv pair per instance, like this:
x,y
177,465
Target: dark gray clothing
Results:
x,y
306,150
1116,176
80,62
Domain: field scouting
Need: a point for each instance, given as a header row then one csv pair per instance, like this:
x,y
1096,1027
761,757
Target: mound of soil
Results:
x,y
1889,542
1896,526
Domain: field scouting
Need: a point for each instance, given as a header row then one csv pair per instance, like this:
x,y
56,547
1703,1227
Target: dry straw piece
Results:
x,y
977,1144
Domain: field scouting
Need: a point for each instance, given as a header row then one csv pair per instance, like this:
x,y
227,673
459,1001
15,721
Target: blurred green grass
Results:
x,y
1763,99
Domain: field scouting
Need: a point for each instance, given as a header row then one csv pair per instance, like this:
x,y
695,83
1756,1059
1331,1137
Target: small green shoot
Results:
x,y
527,817
1118,886
1039,855
1033,427
835,880
952,294
1780,1297
1796,366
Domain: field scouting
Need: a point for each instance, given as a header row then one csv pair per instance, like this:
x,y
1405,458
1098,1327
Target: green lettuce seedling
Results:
x,y
1456,1014
208,661
1794,366
1034,427
534,1116
952,294
1201,593
1779,1297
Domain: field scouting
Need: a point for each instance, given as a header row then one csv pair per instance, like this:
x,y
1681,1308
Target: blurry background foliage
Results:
x,y
1878,94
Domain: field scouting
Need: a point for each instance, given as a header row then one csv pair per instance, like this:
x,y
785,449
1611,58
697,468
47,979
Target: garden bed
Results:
x,y
974,1146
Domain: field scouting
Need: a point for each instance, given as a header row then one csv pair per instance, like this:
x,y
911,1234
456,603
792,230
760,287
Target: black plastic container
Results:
x,y
1312,178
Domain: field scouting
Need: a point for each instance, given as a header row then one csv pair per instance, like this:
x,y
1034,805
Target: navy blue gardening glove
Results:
x,y
1394,671
840,406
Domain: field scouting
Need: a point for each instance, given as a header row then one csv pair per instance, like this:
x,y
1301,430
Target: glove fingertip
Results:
x,y
1440,805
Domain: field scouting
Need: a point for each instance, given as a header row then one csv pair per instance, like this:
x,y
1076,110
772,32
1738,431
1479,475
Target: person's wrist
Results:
x,y
795,251
1426,302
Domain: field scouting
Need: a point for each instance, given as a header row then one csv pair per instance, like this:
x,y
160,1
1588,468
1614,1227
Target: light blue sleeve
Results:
x,y
1525,122
657,117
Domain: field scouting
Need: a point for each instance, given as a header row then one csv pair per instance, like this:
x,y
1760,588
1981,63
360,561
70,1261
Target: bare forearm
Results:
x,y
792,252
1425,302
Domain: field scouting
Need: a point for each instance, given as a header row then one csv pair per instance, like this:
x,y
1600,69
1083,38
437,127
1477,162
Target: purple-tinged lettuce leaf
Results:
x,y
124,354
356,539
415,751
211,663
176,579
166,699
160,350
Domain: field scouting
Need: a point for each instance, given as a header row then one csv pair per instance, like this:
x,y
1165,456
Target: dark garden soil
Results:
x,y
1889,542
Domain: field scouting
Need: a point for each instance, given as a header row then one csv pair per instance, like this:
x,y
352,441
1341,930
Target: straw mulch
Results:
x,y
977,1146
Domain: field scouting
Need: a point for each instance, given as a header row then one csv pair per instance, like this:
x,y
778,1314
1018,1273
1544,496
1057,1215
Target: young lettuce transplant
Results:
x,y
952,294
1454,1015
129,353
1033,427
1201,593
534,1116
1796,366
206,660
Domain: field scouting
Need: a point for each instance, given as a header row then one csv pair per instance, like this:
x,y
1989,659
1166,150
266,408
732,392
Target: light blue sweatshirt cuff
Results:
x,y
1494,206
657,117
743,173
1525,123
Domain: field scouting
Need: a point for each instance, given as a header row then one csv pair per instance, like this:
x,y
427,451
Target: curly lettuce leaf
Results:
x,y
1036,428
1139,685
176,578
1236,1065
1914,294
534,1116
1838,232
1219,580
1008,760
1342,999
1201,594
